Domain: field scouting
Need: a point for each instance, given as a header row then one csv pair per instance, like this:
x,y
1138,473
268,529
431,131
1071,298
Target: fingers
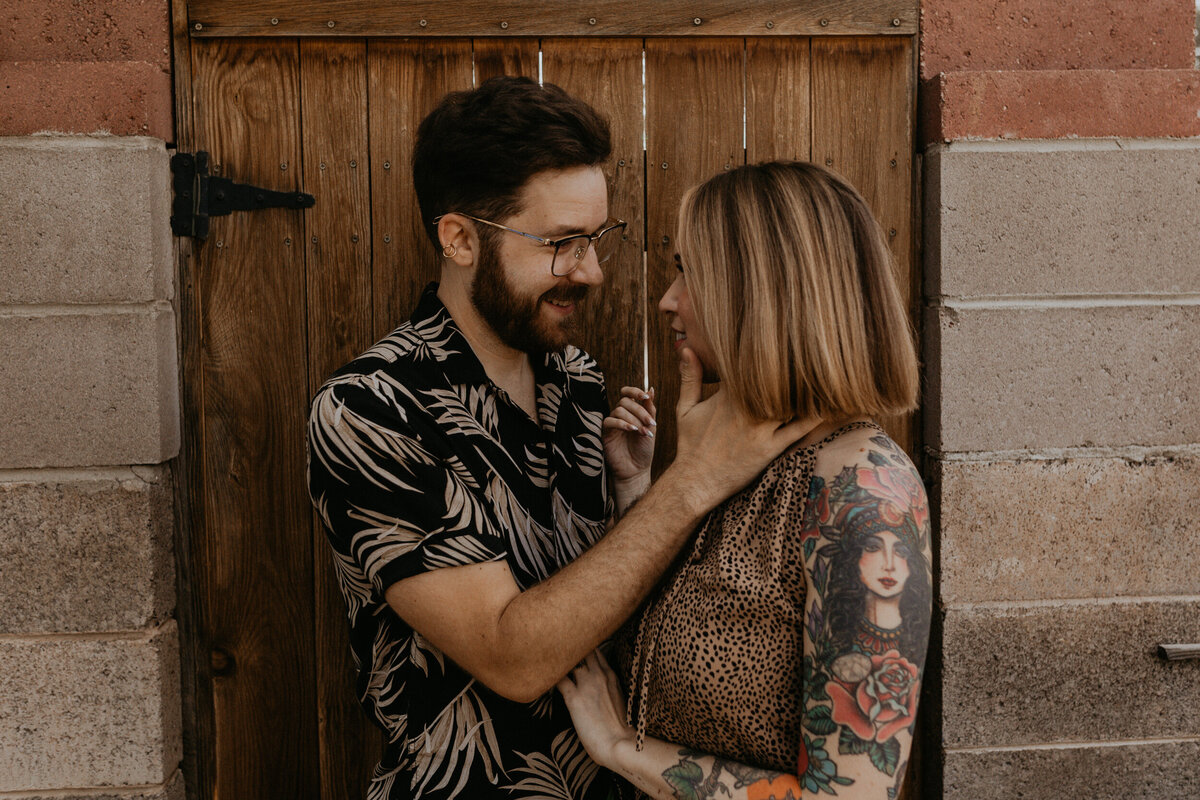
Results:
x,y
690,376
633,416
794,431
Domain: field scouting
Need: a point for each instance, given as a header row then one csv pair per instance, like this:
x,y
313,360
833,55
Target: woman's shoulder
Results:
x,y
859,445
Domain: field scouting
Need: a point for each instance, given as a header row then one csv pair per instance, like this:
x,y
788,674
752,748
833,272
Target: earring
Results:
x,y
450,251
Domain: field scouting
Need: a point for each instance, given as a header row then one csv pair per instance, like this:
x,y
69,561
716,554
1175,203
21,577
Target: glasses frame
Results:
x,y
555,243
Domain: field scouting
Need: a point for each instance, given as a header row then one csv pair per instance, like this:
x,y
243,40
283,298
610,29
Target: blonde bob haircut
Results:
x,y
791,281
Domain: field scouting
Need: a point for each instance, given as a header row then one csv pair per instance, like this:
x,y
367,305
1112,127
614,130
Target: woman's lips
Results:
x,y
888,583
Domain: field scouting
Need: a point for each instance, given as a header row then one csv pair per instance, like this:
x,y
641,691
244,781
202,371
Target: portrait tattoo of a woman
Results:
x,y
866,542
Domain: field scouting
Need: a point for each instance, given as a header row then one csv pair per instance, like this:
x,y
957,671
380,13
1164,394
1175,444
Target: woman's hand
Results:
x,y
629,435
593,696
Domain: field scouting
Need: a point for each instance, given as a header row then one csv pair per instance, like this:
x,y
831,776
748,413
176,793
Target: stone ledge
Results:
x,y
124,98
1134,771
1043,378
1058,104
89,30
89,389
1077,218
86,555
1044,530
174,789
86,220
1068,672
959,35
89,711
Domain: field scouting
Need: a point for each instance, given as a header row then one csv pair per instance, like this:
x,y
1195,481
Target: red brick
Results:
x,y
1059,104
86,30
966,35
125,98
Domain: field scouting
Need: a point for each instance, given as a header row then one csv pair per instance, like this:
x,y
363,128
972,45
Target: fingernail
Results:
x,y
649,433
653,423
645,396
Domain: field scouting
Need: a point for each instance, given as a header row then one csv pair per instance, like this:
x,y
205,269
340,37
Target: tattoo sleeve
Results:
x,y
865,537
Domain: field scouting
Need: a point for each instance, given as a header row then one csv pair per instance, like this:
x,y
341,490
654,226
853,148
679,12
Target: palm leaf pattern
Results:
x,y
564,774
448,748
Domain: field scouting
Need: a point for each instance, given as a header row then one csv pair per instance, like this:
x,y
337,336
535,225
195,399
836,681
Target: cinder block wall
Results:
x,y
1062,335
89,650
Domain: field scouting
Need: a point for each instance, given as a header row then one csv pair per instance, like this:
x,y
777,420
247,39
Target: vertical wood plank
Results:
x,y
694,91
254,565
406,79
778,115
333,80
503,56
607,73
862,98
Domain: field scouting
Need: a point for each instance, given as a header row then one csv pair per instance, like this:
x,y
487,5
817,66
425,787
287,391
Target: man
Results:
x,y
459,471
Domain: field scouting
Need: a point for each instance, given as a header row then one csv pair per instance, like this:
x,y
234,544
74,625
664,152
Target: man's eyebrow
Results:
x,y
569,230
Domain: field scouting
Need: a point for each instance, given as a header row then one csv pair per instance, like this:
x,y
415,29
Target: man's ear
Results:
x,y
460,240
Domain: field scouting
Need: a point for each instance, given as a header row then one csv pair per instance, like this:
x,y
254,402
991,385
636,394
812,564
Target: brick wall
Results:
x,y
89,650
1062,264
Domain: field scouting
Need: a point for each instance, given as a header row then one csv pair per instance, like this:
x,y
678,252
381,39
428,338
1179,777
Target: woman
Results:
x,y
784,653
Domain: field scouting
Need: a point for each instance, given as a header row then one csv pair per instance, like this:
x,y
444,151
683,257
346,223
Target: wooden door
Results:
x,y
325,97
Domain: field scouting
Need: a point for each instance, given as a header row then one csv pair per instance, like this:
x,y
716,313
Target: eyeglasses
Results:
x,y
569,251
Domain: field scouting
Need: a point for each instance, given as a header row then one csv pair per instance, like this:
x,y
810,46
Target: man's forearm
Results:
x,y
549,628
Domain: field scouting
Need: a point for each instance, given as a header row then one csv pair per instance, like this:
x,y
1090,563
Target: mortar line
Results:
x,y
1112,144
76,474
1074,602
1075,745
1136,453
125,790
1061,301
82,309
145,634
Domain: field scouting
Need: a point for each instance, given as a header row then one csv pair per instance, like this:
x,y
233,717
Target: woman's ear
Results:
x,y
459,240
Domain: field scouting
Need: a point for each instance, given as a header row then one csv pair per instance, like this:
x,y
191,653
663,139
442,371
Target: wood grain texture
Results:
x,y
694,91
253,570
406,79
778,88
564,18
337,244
512,56
607,73
862,99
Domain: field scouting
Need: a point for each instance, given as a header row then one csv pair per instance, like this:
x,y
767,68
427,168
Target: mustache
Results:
x,y
566,294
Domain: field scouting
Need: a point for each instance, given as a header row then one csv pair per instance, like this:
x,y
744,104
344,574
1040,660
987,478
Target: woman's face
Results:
x,y
677,305
883,565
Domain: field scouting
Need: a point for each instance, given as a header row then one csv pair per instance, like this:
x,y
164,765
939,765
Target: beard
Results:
x,y
517,320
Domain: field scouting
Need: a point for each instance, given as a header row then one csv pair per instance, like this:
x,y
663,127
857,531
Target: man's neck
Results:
x,y
508,368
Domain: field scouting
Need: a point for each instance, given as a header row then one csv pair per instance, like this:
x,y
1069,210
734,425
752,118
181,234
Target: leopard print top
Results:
x,y
713,662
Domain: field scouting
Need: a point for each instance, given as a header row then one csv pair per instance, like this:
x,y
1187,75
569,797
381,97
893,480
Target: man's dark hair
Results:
x,y
476,150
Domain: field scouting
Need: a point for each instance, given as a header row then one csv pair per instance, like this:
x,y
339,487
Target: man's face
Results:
x,y
514,291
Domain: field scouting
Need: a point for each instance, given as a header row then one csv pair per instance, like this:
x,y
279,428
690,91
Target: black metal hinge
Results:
x,y
199,196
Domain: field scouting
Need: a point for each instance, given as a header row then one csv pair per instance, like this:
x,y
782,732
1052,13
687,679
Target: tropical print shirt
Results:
x,y
418,461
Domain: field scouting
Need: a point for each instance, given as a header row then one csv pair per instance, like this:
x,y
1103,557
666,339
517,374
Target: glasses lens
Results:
x,y
568,254
608,243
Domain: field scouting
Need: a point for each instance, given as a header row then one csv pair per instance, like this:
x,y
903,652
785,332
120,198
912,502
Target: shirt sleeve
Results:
x,y
394,503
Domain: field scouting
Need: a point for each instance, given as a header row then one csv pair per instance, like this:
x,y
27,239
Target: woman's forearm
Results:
x,y
670,772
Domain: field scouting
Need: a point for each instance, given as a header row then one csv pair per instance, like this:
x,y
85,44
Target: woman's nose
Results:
x,y
668,303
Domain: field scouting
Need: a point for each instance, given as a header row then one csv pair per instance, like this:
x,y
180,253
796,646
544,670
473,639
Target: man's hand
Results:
x,y
720,449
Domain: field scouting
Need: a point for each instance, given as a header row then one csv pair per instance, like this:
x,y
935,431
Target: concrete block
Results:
x,y
84,220
1060,104
1073,218
95,387
124,98
1039,378
958,35
89,711
1044,530
88,30
86,552
1068,672
1141,771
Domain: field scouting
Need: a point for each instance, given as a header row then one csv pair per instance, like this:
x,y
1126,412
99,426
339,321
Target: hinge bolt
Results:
x,y
893,163
591,20
314,240
353,164
665,165
770,24
386,239
288,241
504,26
621,163
354,237
274,20
387,165
896,22
283,165
696,20
829,162
331,23
424,23
198,26
824,23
